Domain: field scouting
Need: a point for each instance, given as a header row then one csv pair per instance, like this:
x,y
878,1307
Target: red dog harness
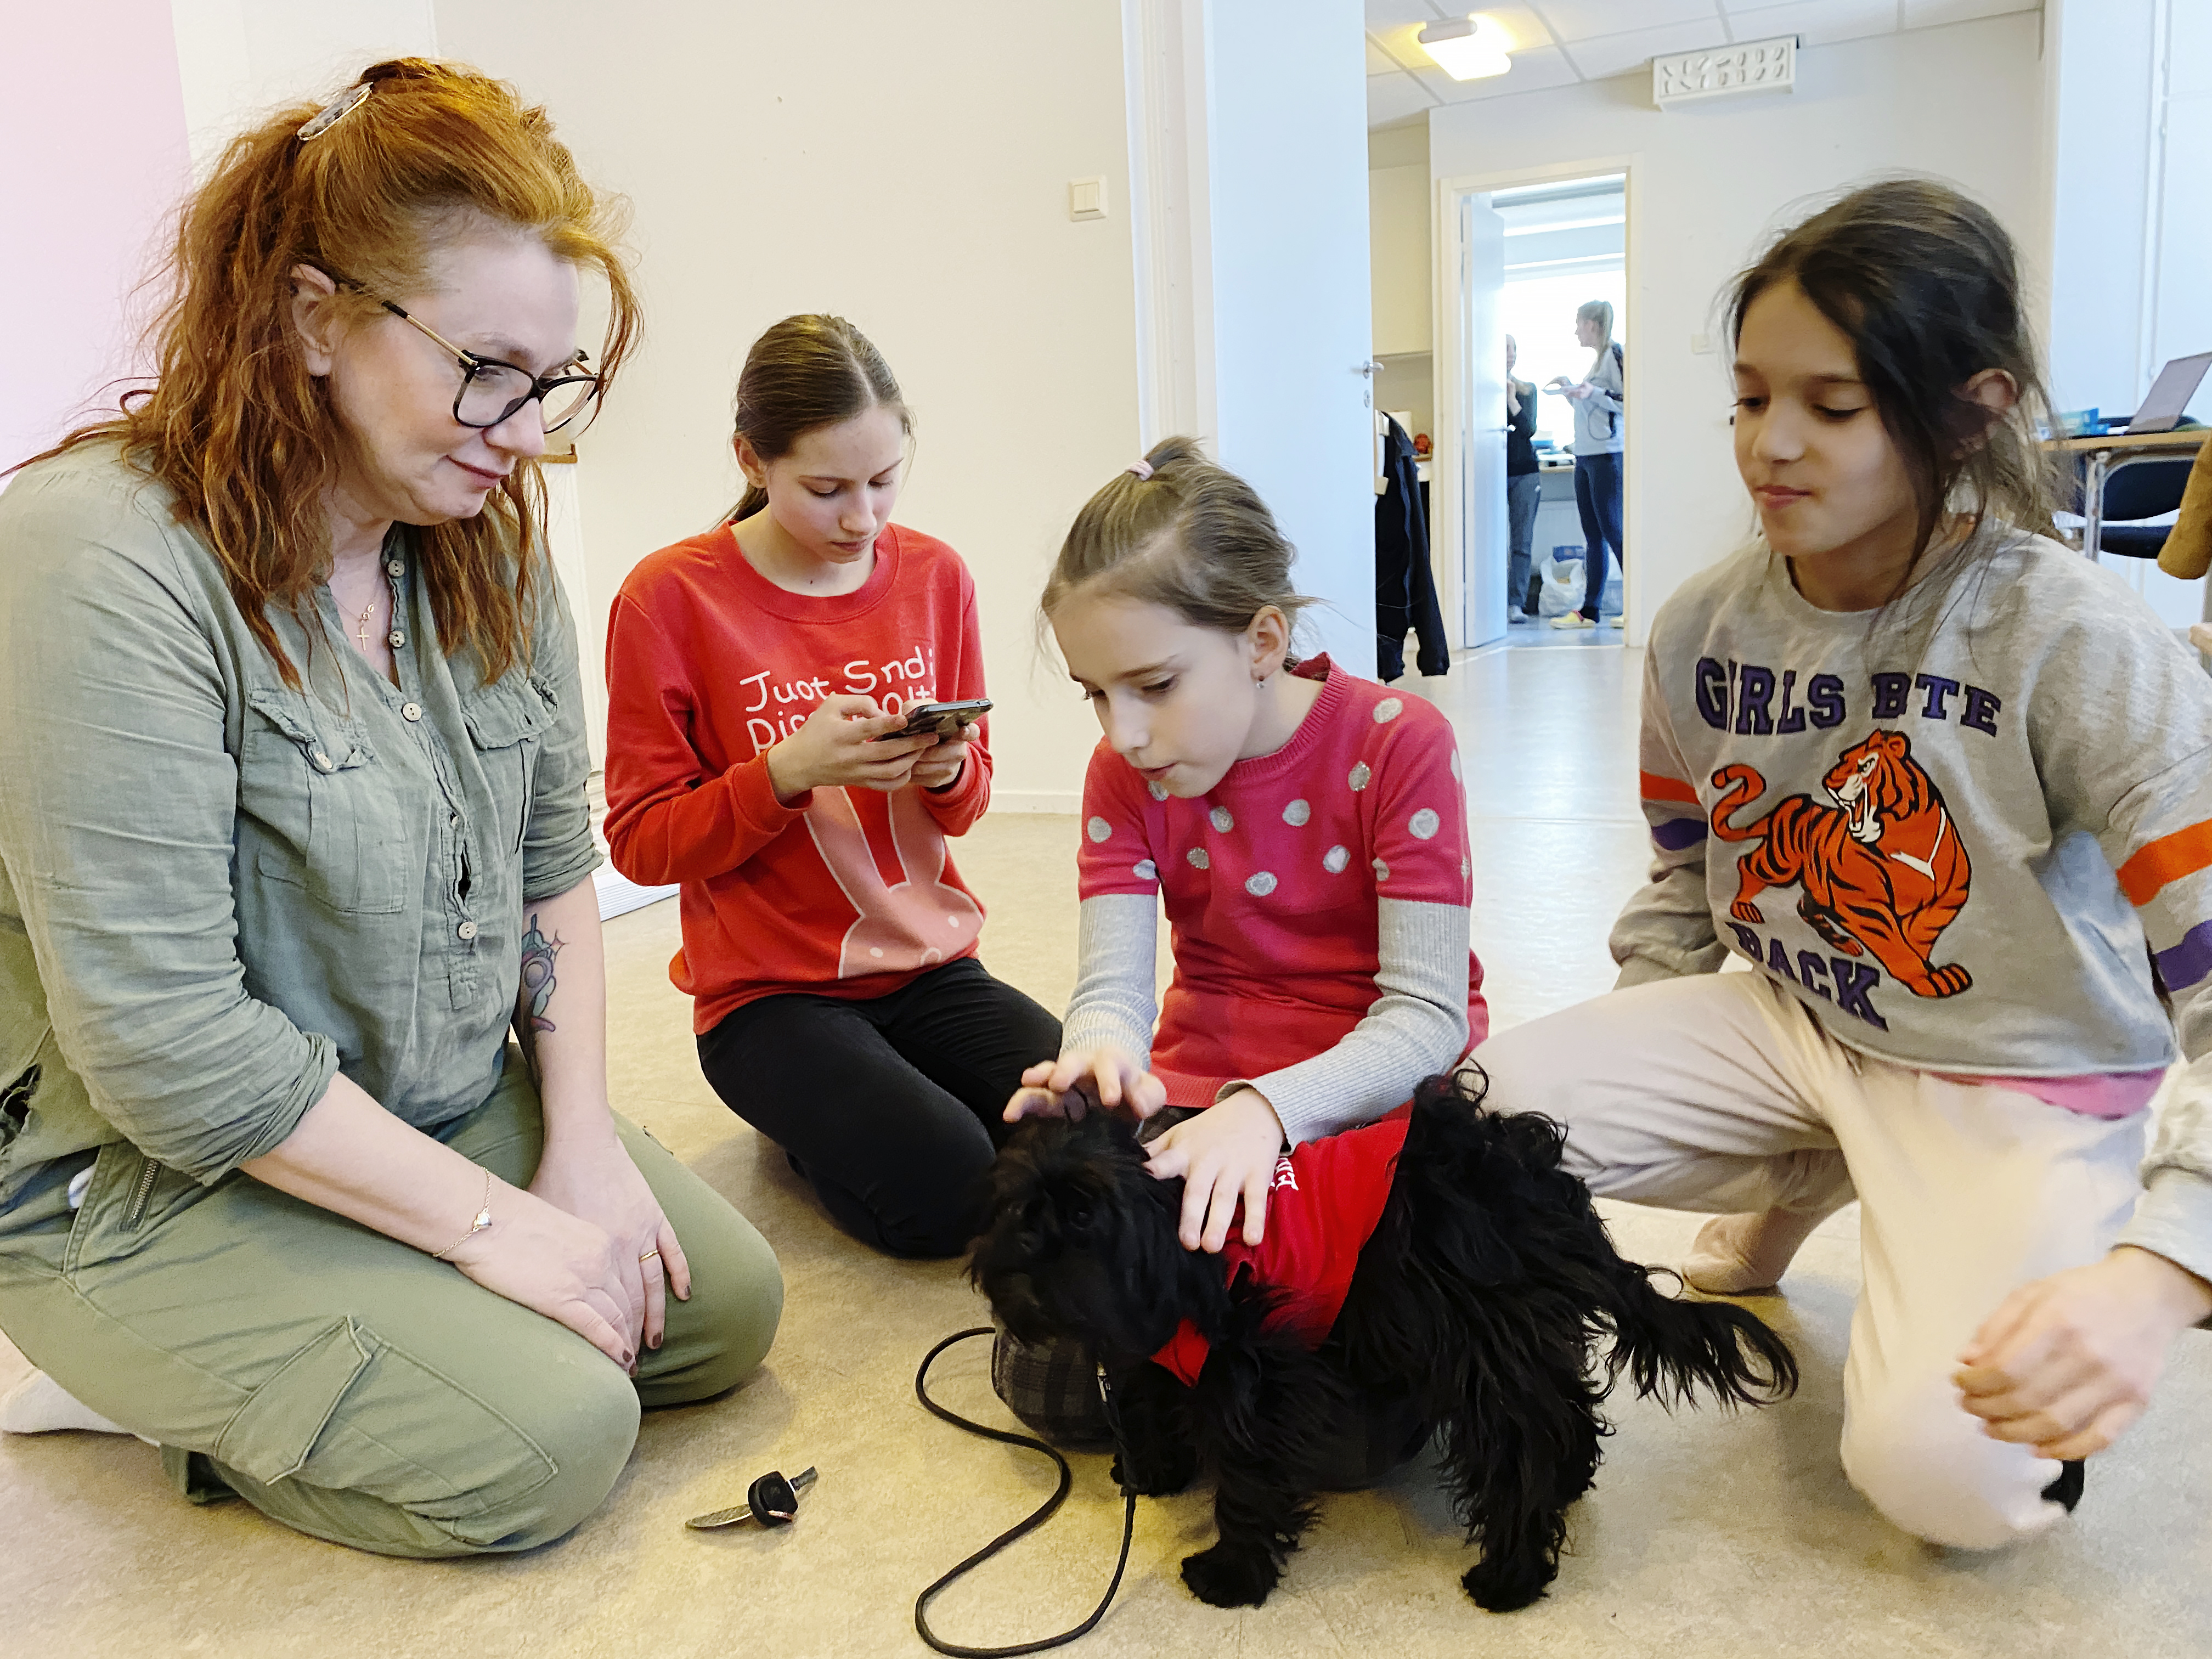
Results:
x,y
1329,1196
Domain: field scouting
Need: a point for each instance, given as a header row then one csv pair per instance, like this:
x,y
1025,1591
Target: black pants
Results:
x,y
1597,495
891,1108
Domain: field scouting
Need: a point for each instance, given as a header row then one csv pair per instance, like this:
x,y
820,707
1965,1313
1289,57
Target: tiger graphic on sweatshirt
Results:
x,y
1880,872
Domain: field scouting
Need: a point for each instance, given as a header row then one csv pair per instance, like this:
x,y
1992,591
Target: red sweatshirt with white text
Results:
x,y
844,892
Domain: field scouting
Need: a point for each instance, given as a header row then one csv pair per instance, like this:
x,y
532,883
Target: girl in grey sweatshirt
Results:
x,y
1946,789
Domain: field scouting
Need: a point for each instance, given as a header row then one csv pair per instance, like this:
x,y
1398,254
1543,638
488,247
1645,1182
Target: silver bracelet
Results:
x,y
482,1221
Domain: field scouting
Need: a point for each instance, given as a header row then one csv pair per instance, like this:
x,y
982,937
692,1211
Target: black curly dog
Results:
x,y
1480,1301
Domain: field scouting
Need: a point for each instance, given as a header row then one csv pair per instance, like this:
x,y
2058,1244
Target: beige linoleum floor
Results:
x,y
1706,1535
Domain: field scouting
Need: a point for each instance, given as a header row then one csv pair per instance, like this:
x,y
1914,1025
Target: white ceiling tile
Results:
x,y
1815,22
1521,22
1616,54
1402,43
1532,71
1384,16
1571,20
1394,96
1442,88
1401,46
1379,61
1926,14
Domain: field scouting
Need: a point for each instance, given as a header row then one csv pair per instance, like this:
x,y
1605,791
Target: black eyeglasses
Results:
x,y
492,390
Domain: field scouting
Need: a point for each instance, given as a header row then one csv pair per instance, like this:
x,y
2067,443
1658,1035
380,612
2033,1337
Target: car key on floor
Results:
x,y
771,1500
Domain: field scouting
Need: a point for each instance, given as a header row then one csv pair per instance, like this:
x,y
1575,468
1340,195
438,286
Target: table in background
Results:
x,y
2100,452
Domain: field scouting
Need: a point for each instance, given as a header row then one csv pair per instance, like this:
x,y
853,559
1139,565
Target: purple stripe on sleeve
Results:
x,y
1675,834
2187,962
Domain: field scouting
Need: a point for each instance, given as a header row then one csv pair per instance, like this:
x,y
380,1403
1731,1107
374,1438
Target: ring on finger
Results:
x,y
650,1255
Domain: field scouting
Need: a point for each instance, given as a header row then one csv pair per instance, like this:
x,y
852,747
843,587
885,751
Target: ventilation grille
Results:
x,y
1725,71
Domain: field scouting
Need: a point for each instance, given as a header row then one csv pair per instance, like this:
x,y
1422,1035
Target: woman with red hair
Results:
x,y
296,829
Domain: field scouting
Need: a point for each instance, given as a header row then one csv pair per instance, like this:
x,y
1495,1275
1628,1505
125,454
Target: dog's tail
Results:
x,y
1671,1349
1489,1203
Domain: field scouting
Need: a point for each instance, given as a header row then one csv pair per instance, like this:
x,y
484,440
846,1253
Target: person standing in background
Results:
x,y
1524,492
1597,398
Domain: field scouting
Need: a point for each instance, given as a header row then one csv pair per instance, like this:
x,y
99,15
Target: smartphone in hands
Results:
x,y
940,720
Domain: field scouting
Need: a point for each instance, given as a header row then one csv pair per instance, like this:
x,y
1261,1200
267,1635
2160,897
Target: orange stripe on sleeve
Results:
x,y
2167,860
1658,787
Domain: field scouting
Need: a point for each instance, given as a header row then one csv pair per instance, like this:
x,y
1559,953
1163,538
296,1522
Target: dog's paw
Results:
x,y
1159,1475
1221,1577
1501,1586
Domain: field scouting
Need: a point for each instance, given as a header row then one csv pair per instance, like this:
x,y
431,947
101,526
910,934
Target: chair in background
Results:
x,y
2135,488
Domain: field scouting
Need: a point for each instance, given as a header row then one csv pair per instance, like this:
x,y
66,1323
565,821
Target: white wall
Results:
x,y
1287,141
1400,264
1398,257
1407,388
2131,214
121,105
240,57
908,170
1963,101
84,120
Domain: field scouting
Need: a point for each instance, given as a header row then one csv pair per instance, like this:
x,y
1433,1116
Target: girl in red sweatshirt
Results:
x,y
756,675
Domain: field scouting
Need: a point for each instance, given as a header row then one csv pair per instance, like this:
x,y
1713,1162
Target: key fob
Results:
x,y
772,1499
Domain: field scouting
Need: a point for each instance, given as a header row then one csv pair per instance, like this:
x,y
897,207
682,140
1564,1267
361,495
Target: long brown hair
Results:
x,y
235,425
810,370
1925,284
1189,535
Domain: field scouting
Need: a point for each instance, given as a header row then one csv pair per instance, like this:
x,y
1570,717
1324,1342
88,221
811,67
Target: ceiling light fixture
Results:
x,y
1469,48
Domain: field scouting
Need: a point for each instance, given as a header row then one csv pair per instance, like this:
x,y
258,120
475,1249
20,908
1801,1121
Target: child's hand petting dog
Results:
x,y
1087,1080
1226,1152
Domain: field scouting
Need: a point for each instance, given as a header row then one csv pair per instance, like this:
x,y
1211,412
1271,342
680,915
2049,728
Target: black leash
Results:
x,y
1036,1519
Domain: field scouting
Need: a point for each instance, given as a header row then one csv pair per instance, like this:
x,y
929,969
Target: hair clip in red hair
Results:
x,y
332,113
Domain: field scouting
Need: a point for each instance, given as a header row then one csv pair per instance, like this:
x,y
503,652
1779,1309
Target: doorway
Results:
x,y
1518,254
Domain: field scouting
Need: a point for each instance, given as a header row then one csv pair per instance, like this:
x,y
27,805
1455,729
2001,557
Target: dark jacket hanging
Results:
x,y
1404,585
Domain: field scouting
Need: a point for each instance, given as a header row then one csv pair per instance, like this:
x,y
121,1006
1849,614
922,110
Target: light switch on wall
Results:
x,y
1086,198
1701,344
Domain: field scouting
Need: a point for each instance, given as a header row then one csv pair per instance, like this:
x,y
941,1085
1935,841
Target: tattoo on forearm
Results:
x,y
538,982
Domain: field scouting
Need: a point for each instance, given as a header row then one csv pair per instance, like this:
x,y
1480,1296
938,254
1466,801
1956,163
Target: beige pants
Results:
x,y
1720,1093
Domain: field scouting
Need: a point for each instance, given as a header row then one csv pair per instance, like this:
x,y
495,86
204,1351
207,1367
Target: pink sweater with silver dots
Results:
x,y
1318,901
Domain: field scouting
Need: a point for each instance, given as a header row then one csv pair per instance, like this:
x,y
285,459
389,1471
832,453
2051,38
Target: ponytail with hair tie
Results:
x,y
1196,540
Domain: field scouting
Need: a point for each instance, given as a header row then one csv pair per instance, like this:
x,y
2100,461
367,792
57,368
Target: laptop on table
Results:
x,y
2170,393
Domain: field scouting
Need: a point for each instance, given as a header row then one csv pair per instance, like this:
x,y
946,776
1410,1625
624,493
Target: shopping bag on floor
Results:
x,y
1563,588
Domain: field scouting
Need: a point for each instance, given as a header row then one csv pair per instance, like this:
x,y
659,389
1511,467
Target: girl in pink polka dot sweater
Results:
x,y
1305,831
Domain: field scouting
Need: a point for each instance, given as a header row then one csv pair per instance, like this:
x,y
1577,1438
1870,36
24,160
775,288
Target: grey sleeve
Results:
x,y
557,848
116,830
2144,791
1666,929
1607,385
1415,1029
1114,1004
2173,1217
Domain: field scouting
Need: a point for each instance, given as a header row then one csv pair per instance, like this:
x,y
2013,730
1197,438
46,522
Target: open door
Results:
x,y
1478,363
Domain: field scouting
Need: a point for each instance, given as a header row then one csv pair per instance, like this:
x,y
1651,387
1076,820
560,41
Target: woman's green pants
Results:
x,y
345,1384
